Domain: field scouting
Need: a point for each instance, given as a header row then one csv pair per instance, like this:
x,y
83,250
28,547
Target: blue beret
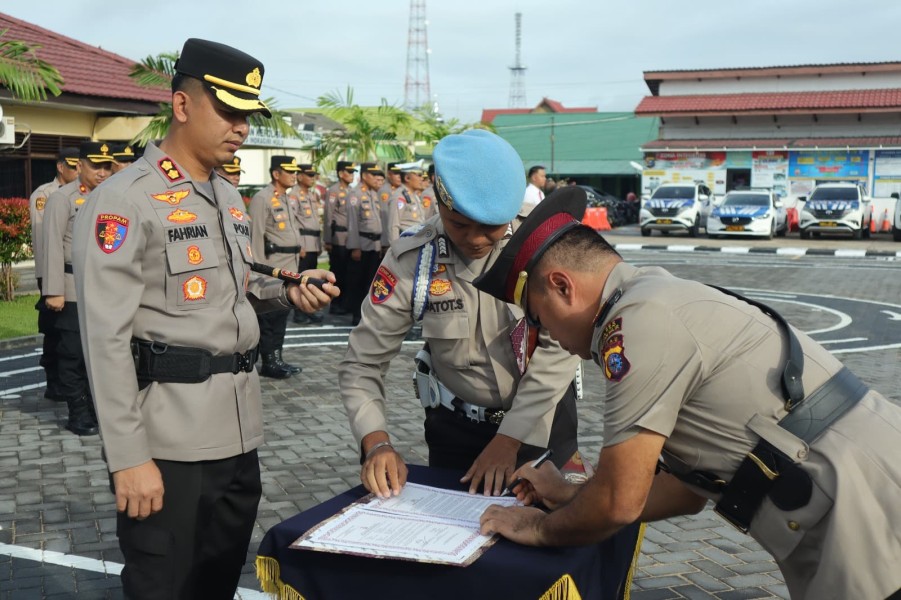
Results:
x,y
480,176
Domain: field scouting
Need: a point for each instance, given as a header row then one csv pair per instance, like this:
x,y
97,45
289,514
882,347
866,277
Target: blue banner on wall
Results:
x,y
828,164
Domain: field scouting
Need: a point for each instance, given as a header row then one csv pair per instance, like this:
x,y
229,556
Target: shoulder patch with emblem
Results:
x,y
167,166
616,365
111,231
39,203
382,285
172,197
612,327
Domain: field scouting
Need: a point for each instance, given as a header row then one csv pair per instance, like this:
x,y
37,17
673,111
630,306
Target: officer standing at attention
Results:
x,y
429,205
275,235
745,410
125,156
405,206
334,223
94,166
493,395
310,229
231,171
163,256
387,187
66,172
364,235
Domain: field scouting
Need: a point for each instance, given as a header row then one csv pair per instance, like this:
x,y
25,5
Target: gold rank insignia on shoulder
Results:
x,y
254,78
169,169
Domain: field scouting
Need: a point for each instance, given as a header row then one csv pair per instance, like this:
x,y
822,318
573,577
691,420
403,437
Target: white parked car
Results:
x,y
748,212
836,208
675,207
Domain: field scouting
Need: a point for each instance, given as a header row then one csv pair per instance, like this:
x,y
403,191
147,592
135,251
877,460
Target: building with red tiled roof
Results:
x,y
785,127
99,101
545,106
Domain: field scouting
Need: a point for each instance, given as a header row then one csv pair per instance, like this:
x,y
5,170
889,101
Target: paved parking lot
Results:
x,y
54,494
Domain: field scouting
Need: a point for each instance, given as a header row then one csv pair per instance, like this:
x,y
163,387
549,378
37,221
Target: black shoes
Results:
x,y
278,360
336,309
271,368
82,419
305,319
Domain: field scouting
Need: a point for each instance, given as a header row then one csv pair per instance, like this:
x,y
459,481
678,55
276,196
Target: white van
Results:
x,y
836,208
675,207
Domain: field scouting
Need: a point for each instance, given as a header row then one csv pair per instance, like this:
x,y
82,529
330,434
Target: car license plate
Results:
x,y
827,224
665,221
734,228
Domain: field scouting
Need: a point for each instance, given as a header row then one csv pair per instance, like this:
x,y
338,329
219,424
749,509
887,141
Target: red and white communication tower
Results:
x,y
416,85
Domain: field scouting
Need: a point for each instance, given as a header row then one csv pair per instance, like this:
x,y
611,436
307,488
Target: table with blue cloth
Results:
x,y
506,570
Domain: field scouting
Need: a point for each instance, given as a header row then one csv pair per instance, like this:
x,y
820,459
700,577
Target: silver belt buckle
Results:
x,y
496,417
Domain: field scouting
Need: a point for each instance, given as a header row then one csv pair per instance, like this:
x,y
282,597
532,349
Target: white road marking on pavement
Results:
x,y
681,248
735,249
892,316
792,251
92,564
18,371
24,388
342,343
37,352
841,341
850,253
867,349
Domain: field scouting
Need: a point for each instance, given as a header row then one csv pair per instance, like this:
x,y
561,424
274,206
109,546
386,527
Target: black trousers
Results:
x,y
359,279
71,370
272,330
196,546
47,326
337,259
309,261
455,441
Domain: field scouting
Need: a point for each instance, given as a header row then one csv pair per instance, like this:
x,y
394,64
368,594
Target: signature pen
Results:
x,y
535,465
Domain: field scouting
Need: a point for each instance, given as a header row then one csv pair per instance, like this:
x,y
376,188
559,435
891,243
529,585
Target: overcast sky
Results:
x,y
580,52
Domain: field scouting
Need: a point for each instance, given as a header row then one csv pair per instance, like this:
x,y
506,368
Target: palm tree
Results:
x,y
158,71
26,76
368,133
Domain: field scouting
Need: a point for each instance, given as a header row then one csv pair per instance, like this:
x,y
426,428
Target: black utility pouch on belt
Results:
x,y
156,361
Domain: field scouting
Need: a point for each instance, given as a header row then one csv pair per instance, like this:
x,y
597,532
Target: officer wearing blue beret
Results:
x,y
493,395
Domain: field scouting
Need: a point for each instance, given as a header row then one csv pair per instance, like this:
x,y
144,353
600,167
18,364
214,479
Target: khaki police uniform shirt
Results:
x,y
429,203
335,213
404,211
273,219
59,216
363,217
308,218
384,195
160,258
697,366
36,204
468,333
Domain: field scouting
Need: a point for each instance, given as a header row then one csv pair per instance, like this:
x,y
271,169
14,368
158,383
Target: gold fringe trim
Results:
x,y
269,576
627,591
563,589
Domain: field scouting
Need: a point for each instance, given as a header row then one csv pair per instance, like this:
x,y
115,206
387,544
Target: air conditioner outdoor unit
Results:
x,y
7,130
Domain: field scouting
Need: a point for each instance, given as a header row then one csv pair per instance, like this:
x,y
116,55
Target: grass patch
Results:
x,y
18,318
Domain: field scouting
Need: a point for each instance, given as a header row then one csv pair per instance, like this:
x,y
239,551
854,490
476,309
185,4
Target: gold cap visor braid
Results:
x,y
240,104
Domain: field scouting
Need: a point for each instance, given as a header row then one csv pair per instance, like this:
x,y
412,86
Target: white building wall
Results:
x,y
802,83
783,126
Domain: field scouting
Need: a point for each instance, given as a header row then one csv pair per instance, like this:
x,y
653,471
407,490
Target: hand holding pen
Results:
x,y
535,464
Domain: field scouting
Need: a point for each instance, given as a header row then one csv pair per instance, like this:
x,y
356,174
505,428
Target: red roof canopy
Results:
x,y
86,70
772,103
545,106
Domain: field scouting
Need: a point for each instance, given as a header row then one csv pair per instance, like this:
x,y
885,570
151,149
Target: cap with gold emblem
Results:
x,y
307,169
394,167
285,163
96,152
234,166
69,155
232,77
346,165
371,168
124,154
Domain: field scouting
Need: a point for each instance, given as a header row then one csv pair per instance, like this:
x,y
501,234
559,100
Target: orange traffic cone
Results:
x,y
886,223
872,221
596,218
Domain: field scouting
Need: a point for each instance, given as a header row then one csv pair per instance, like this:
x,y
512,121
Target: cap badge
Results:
x,y
254,78
104,149
443,194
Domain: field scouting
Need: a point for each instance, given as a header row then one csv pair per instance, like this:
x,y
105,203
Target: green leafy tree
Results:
x,y
24,74
158,71
367,134
431,126
15,241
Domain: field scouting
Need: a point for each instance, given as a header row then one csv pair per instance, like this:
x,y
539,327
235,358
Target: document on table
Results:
x,y
423,524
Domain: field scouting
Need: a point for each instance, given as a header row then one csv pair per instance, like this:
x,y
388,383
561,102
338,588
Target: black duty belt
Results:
x,y
338,228
67,268
766,470
310,232
371,236
156,361
271,248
